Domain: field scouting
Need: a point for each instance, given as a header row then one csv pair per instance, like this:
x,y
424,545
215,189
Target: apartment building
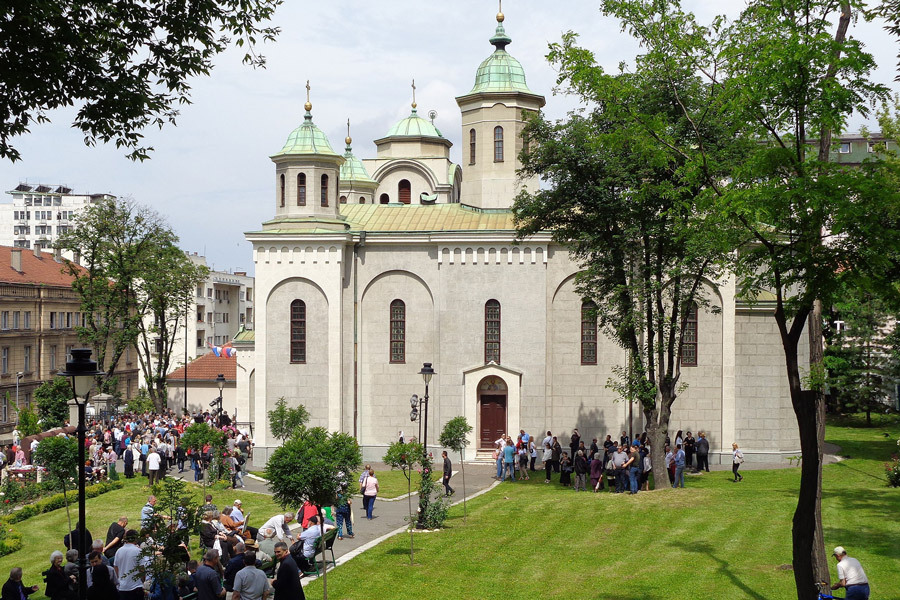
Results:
x,y
39,312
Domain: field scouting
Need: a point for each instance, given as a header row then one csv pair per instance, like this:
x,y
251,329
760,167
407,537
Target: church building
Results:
x,y
368,268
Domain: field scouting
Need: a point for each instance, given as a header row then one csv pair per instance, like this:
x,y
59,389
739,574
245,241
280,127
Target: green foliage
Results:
x,y
404,456
58,501
433,505
199,435
10,541
285,421
141,403
176,506
52,398
125,66
29,424
59,455
454,434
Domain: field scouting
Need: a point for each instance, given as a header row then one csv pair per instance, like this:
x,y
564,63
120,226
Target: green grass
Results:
x,y
44,533
715,539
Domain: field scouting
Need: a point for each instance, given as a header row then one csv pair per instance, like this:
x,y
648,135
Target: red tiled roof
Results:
x,y
44,270
207,368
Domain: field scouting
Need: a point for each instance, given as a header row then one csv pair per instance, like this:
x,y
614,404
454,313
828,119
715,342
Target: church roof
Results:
x,y
414,126
500,72
353,169
437,217
306,139
207,368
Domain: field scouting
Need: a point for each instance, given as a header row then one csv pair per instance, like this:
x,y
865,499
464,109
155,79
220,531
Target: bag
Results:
x,y
217,545
610,466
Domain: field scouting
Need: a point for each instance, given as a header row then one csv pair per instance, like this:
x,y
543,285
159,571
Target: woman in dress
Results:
x,y
737,459
370,490
128,459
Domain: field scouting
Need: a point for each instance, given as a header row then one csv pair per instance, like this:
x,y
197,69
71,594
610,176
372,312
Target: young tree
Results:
x,y
175,518
126,65
312,467
59,455
406,456
52,398
285,421
787,76
453,436
200,435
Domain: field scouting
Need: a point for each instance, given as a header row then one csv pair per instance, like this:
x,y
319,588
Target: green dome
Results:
x,y
500,72
353,170
307,139
414,126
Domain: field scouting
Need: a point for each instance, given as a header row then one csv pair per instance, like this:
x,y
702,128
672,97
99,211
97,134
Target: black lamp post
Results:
x,y
82,370
220,381
427,373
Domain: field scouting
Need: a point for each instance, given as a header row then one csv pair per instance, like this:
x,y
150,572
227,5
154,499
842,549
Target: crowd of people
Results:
x,y
621,465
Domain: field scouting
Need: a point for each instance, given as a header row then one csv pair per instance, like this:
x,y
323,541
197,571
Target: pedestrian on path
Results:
x,y
370,490
737,459
448,472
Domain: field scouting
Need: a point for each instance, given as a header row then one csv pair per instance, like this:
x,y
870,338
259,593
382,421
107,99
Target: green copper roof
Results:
x,y
307,139
414,126
353,169
500,72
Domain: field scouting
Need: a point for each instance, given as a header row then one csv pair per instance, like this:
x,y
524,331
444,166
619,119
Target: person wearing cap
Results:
x,y
851,576
237,513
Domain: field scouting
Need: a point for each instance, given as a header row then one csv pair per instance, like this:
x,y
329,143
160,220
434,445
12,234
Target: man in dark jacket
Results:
x,y
75,538
287,579
702,449
13,589
448,471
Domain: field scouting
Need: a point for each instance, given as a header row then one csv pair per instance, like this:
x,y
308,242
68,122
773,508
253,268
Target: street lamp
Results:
x,y
427,373
414,413
83,372
220,381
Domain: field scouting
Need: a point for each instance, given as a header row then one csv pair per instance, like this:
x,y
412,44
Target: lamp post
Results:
x,y
220,381
19,377
82,370
427,373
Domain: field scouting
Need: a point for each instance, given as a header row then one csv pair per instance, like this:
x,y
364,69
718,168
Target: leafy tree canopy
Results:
x,y
52,398
126,65
29,423
454,434
404,456
285,421
59,455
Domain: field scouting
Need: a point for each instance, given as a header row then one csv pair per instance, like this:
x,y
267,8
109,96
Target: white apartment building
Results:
x,y
40,213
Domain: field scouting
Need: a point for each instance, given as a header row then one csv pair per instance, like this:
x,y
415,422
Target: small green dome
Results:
x,y
414,126
353,170
307,139
500,72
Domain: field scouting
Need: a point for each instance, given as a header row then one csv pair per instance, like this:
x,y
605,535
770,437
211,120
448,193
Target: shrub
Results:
x,y
893,472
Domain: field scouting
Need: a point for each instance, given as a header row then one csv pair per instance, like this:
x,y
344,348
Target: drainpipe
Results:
x,y
356,248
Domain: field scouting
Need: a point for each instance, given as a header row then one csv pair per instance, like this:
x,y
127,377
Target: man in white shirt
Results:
x,y
237,514
851,576
128,559
153,462
280,525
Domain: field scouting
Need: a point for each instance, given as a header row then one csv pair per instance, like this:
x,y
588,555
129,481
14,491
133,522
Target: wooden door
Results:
x,y
493,419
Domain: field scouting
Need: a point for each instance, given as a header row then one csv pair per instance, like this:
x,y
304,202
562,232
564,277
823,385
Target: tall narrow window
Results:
x,y
689,343
492,331
27,358
362,200
324,190
398,331
298,331
301,189
498,144
384,199
471,146
282,191
588,333
404,191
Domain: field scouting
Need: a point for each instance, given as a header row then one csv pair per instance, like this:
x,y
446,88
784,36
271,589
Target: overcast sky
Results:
x,y
210,176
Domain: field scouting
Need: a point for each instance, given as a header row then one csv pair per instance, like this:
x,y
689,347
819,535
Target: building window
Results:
x,y
27,359
52,359
404,191
689,343
15,323
498,144
398,331
324,190
4,361
4,320
27,401
492,331
301,189
298,331
5,408
471,146
362,200
384,199
343,200
844,148
282,190
27,323
200,342
870,147
588,333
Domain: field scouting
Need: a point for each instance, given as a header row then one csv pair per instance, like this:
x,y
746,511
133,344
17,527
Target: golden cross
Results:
x,y
348,127
307,90
414,91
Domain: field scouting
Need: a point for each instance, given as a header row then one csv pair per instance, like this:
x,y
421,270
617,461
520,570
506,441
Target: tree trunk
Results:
x,y
816,363
803,533
68,515
657,437
409,504
324,559
462,467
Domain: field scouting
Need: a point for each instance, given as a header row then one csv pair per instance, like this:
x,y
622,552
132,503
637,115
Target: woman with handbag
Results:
x,y
737,459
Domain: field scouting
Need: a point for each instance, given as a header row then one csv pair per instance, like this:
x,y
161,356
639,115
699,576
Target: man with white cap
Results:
x,y
851,576
237,514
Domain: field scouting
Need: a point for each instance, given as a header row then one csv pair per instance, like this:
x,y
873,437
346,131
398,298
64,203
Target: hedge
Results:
x,y
11,539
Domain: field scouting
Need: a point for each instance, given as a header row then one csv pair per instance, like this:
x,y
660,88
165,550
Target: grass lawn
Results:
x,y
391,484
44,533
715,539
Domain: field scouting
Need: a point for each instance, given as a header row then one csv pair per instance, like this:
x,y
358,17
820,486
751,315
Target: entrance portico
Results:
x,y
492,401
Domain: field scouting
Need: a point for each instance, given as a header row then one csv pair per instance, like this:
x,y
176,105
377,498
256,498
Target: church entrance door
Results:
x,y
493,418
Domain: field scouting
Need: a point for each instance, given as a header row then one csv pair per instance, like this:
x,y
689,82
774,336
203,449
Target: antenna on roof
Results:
x,y
414,94
432,114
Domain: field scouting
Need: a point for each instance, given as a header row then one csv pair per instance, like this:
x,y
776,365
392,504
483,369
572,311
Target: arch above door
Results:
x,y
492,381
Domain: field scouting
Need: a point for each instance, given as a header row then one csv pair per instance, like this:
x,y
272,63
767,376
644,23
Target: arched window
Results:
x,y
404,191
588,333
301,189
282,190
362,200
398,331
343,199
471,146
498,144
298,331
689,342
324,190
492,331
384,199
